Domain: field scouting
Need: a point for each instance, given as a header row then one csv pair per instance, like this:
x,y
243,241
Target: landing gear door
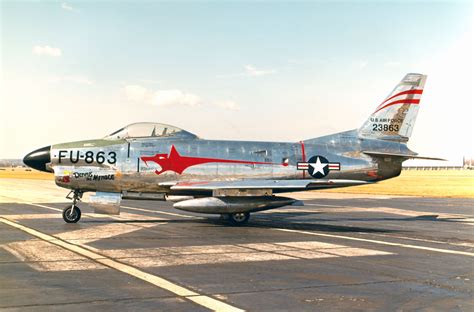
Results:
x,y
106,203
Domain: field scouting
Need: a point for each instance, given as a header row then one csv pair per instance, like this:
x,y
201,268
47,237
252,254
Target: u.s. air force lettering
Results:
x,y
318,166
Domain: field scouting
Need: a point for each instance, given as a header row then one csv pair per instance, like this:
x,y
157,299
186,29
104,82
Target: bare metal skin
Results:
x,y
233,178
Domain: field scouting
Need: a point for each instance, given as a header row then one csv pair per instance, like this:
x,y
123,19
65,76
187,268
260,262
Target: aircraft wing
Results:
x,y
266,184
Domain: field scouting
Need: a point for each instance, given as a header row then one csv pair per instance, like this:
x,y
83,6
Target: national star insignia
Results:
x,y
318,166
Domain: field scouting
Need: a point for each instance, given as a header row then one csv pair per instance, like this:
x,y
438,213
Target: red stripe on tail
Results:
x,y
405,101
412,91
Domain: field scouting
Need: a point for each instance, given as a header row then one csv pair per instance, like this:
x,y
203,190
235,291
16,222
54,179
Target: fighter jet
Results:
x,y
232,178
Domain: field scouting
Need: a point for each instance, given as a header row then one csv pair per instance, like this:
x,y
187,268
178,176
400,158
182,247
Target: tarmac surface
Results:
x,y
338,252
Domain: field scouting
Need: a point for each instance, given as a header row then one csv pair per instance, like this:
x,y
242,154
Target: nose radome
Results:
x,y
39,158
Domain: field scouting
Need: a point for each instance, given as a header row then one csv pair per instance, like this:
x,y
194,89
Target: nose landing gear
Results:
x,y
72,213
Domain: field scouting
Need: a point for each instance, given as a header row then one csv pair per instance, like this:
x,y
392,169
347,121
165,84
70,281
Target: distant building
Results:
x,y
11,163
467,162
433,168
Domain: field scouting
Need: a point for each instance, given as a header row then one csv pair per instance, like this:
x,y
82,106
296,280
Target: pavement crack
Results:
x,y
128,299
314,286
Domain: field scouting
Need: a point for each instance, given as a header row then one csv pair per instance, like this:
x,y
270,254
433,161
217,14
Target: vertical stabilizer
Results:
x,y
395,117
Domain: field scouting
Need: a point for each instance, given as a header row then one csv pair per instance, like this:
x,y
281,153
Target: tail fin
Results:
x,y
395,117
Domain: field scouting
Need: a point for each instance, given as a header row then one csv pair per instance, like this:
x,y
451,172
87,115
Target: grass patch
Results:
x,y
426,183
21,173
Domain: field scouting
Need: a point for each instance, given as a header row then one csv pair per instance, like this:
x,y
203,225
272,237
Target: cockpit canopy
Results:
x,y
149,130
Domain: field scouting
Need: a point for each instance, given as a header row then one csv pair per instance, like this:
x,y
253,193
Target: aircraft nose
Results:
x,y
38,158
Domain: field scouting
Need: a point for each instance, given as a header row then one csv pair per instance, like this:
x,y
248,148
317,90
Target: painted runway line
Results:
x,y
46,257
447,251
464,244
92,234
202,300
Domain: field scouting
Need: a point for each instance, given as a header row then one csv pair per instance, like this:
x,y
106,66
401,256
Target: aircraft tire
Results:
x,y
239,218
74,217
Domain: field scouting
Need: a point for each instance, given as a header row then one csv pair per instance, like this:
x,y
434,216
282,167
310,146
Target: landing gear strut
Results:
x,y
238,218
72,213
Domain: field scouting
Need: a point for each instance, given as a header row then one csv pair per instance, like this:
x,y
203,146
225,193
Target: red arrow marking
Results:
x,y
177,163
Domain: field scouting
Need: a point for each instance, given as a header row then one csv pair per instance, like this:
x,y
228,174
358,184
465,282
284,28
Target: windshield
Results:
x,y
148,129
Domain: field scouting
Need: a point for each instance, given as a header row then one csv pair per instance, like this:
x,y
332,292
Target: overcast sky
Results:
x,y
253,71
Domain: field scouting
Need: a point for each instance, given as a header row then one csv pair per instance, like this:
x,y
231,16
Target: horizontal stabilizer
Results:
x,y
407,156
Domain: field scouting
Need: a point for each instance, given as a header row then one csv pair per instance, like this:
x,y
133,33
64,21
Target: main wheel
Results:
x,y
71,214
239,218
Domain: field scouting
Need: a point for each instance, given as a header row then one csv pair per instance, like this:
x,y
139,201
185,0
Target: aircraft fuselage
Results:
x,y
148,164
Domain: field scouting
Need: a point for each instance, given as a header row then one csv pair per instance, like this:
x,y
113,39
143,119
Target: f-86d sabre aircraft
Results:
x,y
231,178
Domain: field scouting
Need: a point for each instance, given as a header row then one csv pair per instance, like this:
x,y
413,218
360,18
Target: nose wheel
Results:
x,y
72,213
239,218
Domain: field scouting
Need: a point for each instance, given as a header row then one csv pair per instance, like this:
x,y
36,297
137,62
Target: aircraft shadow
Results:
x,y
320,227
284,222
157,221
264,223
427,217
254,223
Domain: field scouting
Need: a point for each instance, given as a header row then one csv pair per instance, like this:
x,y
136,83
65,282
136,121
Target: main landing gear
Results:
x,y
238,218
72,213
